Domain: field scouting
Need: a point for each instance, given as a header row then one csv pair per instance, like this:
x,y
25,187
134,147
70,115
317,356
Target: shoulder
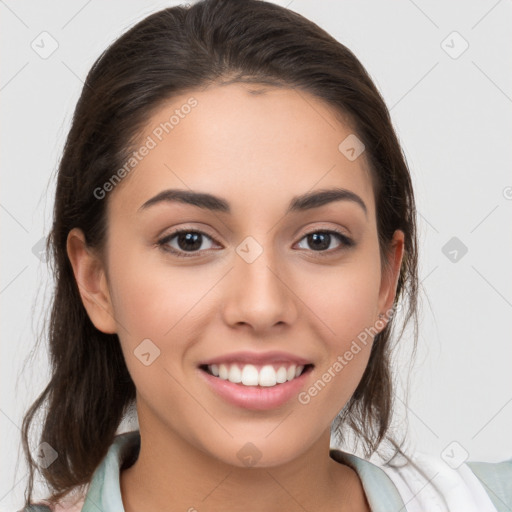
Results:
x,y
496,477
63,506
104,482
36,507
479,486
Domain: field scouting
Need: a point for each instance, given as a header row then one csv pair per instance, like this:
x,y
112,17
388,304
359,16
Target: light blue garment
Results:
x,y
104,493
497,481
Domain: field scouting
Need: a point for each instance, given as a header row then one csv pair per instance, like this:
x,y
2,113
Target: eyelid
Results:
x,y
347,242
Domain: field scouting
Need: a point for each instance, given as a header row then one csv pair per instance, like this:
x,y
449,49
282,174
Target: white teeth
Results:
x,y
281,375
267,376
249,375
223,372
235,374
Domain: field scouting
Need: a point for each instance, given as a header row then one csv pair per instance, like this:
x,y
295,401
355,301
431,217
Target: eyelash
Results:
x,y
162,243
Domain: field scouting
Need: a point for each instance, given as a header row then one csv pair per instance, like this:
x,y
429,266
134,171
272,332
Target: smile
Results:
x,y
256,387
268,375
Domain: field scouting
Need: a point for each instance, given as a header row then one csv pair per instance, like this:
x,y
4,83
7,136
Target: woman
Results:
x,y
234,228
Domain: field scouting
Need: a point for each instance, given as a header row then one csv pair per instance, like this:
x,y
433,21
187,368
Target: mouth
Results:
x,y
257,375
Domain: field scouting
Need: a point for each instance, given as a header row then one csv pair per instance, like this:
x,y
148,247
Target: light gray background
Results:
x,y
454,119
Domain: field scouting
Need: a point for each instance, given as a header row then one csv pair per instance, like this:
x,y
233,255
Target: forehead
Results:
x,y
252,143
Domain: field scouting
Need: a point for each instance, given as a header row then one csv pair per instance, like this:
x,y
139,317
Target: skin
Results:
x,y
257,151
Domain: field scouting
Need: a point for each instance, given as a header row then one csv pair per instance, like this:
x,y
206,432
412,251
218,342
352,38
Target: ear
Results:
x,y
92,283
390,275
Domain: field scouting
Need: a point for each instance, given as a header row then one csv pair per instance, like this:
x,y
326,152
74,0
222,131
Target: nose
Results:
x,y
260,294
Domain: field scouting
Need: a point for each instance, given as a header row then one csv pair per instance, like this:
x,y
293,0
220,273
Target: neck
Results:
x,y
170,474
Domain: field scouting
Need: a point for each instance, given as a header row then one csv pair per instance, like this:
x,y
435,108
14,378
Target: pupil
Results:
x,y
188,238
319,240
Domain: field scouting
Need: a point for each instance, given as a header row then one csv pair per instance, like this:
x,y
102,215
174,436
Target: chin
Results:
x,y
258,451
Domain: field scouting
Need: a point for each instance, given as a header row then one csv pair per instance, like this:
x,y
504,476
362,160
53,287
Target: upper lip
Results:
x,y
256,358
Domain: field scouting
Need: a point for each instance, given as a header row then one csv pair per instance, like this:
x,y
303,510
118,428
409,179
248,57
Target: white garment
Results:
x,y
435,487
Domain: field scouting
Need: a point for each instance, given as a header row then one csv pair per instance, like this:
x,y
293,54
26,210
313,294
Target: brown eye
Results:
x,y
320,241
187,241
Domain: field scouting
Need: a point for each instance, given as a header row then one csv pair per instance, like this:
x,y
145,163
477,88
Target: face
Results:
x,y
261,276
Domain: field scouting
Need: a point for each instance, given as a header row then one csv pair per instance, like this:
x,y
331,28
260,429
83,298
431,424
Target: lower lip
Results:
x,y
258,398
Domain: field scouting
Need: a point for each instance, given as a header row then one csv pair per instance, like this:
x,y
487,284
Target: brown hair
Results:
x,y
166,54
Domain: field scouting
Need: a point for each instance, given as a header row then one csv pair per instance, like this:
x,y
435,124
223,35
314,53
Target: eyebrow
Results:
x,y
210,202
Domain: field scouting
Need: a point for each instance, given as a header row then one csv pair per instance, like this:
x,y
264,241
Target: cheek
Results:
x,y
344,304
150,296
155,301
344,300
